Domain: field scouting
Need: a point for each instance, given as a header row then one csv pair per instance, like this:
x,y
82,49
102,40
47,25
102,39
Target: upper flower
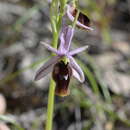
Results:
x,y
63,51
83,20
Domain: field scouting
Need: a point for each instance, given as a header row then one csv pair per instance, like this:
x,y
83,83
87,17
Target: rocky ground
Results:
x,y
101,103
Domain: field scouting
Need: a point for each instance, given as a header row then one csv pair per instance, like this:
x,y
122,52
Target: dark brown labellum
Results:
x,y
61,74
82,18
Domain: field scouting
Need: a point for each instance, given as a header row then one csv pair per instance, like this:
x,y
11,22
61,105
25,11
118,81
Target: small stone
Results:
x,y
3,126
2,104
122,46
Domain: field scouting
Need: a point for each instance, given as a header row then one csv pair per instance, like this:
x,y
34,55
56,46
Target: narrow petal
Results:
x,y
78,50
62,42
66,36
46,68
71,17
77,68
48,47
83,26
76,75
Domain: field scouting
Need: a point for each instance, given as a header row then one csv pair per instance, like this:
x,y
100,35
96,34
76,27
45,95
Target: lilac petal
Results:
x,y
77,68
62,42
47,46
71,17
68,32
76,75
83,26
46,68
78,50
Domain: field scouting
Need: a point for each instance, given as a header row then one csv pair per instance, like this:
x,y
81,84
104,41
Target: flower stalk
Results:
x,y
50,107
51,96
55,30
76,18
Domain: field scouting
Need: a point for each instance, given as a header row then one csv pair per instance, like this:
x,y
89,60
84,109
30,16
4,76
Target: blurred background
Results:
x,y
101,103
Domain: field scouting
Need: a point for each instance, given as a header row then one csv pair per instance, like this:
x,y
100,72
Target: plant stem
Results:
x,y
55,30
50,106
75,20
51,96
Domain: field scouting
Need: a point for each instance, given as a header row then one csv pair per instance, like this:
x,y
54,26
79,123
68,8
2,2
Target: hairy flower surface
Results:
x,y
61,74
62,71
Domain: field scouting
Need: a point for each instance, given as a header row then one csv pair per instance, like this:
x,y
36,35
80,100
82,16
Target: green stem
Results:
x,y
55,40
50,106
51,96
55,30
76,18
61,14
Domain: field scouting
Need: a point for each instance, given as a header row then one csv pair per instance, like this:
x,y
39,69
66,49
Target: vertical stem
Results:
x,y
55,29
76,18
51,96
55,40
50,106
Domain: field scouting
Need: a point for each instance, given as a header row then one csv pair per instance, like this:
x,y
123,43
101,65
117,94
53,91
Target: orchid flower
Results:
x,y
83,21
57,65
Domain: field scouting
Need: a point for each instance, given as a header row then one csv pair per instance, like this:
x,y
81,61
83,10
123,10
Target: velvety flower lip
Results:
x,y
61,74
63,51
83,21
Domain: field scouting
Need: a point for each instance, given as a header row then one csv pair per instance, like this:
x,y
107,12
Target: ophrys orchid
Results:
x,y
63,65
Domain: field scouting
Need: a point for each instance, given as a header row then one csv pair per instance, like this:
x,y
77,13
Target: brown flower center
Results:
x,y
82,18
61,74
